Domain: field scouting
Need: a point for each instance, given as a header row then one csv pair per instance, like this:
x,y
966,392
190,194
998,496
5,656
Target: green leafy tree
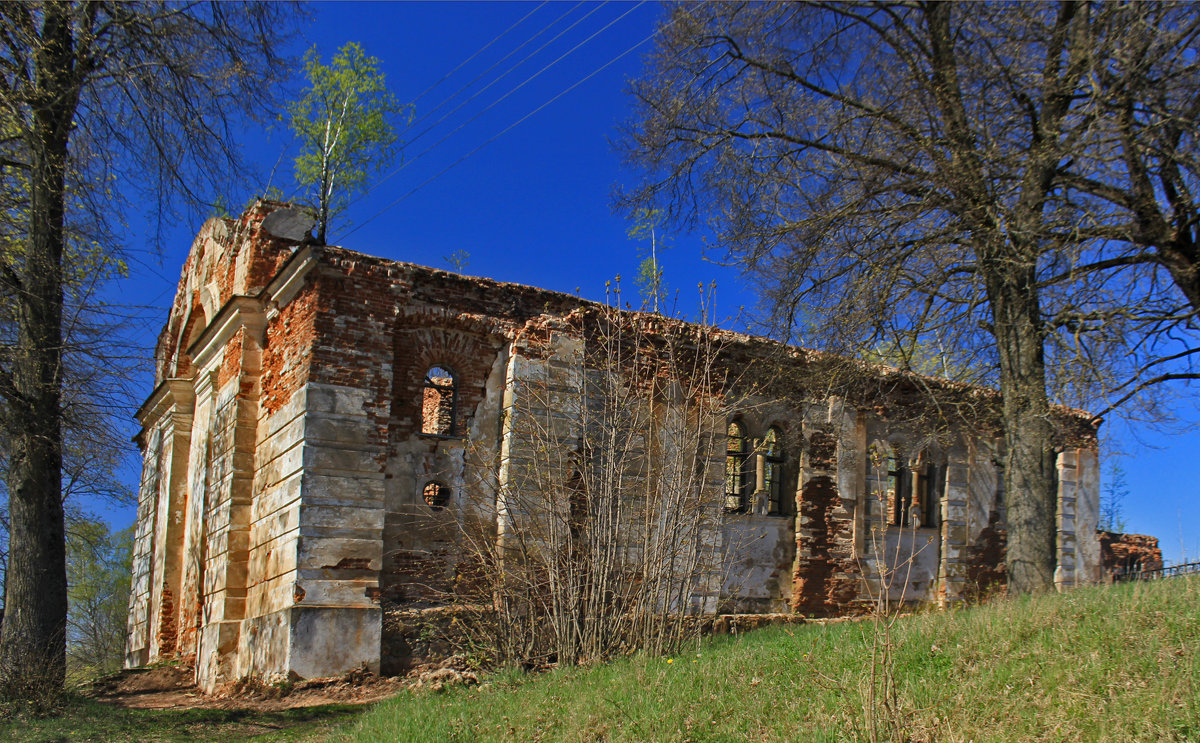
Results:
x,y
650,283
101,105
344,123
98,575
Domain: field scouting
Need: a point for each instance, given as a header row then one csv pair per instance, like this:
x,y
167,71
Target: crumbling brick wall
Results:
x,y
1127,553
330,412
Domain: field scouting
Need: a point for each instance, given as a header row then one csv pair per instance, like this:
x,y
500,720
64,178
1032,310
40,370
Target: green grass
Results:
x,y
86,720
1103,664
1097,664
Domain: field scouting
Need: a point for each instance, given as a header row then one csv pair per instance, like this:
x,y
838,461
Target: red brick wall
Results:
x,y
285,361
264,253
826,577
1125,552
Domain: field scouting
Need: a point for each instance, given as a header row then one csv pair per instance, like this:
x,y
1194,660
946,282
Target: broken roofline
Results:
x,y
290,277
746,340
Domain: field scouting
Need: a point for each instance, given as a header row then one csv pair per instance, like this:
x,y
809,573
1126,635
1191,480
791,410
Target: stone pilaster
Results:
x,y
1065,572
1087,517
826,578
168,530
952,568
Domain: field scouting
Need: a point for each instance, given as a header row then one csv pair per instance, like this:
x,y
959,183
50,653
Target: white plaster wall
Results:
x,y
910,560
757,564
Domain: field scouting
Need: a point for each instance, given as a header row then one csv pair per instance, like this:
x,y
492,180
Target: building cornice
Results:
x,y
239,312
289,279
174,395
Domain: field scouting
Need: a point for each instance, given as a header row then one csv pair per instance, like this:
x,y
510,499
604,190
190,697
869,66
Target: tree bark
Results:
x,y
1030,459
32,641
1009,271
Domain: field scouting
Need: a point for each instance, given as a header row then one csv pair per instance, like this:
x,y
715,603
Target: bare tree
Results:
x,y
602,534
911,178
98,102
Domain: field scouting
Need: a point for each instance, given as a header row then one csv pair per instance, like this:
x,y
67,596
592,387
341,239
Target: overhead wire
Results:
x,y
496,64
481,50
504,131
408,162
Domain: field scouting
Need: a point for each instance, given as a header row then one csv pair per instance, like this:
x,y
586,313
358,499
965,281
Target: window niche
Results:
x,y
439,403
910,492
436,495
773,460
737,480
897,490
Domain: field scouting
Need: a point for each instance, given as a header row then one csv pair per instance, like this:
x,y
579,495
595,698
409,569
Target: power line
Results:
x,y
498,62
516,123
513,90
481,50
496,102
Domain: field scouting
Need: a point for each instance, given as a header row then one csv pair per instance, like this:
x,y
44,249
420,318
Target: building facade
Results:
x,y
323,421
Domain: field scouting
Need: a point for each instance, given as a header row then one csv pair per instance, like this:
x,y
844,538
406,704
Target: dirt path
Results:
x,y
171,687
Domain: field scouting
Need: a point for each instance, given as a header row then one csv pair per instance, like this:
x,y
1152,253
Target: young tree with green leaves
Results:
x,y
345,123
649,281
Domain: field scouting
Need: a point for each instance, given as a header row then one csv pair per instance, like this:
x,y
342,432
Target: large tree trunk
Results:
x,y
1009,272
33,639
1029,464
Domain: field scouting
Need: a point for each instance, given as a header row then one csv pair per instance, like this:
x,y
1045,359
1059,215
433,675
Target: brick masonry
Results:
x,y
1125,553
286,450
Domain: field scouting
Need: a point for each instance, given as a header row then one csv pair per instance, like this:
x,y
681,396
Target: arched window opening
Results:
x,y
773,459
436,495
196,323
439,403
737,481
898,493
928,495
912,498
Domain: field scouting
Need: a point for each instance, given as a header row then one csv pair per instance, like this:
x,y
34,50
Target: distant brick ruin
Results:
x,y
1124,554
305,460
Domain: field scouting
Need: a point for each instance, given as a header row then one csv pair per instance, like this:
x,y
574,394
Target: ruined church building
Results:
x,y
313,405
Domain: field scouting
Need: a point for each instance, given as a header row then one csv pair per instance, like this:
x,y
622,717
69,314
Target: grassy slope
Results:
x,y
1119,664
1093,664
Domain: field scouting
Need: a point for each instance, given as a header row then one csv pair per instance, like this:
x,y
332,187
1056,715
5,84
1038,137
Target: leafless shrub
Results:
x,y
600,534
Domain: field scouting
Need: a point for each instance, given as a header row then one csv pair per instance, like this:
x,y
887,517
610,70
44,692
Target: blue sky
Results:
x,y
532,203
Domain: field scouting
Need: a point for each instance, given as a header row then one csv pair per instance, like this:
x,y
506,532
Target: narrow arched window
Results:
x,y
737,483
773,458
439,402
435,495
899,484
927,494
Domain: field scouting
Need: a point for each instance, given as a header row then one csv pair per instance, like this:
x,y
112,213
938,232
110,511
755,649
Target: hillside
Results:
x,y
1106,664
1096,664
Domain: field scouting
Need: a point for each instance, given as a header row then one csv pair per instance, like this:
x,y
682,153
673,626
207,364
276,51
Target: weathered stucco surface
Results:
x,y
300,512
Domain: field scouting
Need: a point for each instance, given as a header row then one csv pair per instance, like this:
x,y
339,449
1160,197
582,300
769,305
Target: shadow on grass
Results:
x,y
84,719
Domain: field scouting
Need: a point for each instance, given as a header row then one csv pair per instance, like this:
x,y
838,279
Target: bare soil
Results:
x,y
172,687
